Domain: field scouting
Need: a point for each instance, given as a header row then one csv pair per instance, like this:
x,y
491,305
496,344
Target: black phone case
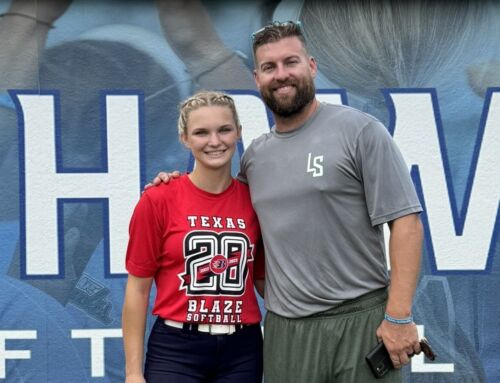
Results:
x,y
379,360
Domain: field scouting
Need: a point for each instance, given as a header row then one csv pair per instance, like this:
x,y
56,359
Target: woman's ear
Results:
x,y
183,139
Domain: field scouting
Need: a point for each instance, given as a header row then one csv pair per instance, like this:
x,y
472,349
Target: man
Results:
x,y
323,182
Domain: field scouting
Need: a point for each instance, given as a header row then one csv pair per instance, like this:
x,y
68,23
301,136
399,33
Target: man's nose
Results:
x,y
281,72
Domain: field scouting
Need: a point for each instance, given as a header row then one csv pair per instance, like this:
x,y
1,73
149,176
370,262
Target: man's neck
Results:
x,y
288,124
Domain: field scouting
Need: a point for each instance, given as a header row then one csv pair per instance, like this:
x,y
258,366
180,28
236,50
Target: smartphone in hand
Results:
x,y
379,360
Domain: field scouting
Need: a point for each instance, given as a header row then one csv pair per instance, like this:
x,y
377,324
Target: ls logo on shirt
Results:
x,y
315,165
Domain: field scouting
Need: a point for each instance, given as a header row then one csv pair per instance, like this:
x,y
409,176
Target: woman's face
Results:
x,y
212,136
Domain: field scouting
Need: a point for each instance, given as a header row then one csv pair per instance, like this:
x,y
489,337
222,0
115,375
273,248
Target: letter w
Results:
x,y
459,240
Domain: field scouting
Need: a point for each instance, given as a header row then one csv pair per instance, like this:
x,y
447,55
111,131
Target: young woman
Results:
x,y
198,238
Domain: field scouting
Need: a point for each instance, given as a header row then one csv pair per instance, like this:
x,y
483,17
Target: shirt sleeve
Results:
x,y
145,238
389,190
242,174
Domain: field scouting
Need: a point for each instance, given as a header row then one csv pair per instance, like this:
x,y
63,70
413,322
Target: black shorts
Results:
x,y
181,356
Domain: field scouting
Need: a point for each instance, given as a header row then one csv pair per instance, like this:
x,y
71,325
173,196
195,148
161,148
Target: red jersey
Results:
x,y
203,249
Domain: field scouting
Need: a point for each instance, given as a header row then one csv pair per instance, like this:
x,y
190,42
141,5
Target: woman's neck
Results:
x,y
212,181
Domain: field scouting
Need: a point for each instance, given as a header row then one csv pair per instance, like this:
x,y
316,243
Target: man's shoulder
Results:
x,y
259,142
347,112
347,119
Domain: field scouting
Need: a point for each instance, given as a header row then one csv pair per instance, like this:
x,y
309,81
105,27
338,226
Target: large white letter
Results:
x,y
97,336
253,116
416,133
13,354
418,364
42,185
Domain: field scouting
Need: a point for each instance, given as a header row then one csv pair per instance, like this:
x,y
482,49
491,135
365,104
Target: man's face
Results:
x,y
284,75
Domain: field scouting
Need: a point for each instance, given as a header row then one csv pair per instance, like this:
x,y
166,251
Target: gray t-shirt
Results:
x,y
321,193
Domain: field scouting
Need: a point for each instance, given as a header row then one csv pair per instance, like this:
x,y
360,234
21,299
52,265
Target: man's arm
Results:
x,y
134,325
210,63
23,40
405,248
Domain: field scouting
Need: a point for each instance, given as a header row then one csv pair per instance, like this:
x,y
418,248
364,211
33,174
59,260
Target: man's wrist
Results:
x,y
27,16
398,320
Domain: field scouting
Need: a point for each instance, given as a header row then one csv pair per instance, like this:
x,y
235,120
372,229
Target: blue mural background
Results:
x,y
165,50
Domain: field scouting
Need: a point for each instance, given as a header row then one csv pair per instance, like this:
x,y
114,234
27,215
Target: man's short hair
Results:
x,y
276,31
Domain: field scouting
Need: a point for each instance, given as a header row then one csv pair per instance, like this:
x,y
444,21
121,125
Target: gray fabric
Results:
x,y
322,234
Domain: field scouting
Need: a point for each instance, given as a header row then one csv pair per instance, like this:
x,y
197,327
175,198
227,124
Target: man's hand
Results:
x,y
163,177
400,340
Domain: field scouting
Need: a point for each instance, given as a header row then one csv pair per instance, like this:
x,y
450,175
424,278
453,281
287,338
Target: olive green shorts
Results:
x,y
326,347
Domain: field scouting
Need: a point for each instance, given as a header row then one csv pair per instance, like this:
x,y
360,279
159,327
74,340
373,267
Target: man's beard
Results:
x,y
304,94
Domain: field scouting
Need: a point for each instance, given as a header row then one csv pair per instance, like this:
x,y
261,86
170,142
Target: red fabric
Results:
x,y
202,250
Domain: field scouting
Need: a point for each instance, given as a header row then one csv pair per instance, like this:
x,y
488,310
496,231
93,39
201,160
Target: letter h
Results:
x,y
46,185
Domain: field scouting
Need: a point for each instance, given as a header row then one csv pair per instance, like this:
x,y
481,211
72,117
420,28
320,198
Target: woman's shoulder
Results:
x,y
164,190
241,185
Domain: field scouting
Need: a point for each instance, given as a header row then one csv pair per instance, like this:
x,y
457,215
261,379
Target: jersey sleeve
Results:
x,y
145,236
389,190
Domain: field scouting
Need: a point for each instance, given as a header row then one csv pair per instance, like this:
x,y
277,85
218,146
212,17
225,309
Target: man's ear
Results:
x,y
256,79
313,66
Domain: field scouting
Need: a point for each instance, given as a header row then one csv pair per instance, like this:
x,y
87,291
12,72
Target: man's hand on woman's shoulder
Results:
x,y
162,177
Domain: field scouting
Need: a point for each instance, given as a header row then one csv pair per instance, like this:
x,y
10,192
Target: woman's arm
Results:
x,y
134,325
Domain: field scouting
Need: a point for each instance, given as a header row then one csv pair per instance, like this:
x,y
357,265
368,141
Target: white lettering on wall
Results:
x,y
13,354
43,186
97,352
416,133
418,363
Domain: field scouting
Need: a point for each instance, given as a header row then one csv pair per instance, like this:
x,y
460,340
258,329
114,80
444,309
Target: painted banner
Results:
x,y
88,113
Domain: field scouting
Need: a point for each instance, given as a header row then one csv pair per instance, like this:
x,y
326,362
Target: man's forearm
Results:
x,y
21,46
405,248
208,60
23,31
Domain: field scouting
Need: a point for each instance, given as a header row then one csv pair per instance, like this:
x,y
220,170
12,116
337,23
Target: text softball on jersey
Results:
x,y
216,264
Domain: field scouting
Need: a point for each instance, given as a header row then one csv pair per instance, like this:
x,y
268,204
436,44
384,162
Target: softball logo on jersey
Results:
x,y
215,263
218,264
